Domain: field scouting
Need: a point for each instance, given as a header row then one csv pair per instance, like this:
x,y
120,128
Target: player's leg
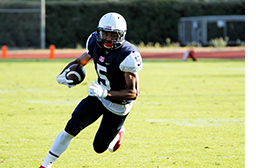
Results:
x,y
110,126
85,114
59,145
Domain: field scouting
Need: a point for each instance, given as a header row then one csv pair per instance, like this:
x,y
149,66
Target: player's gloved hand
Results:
x,y
61,79
97,90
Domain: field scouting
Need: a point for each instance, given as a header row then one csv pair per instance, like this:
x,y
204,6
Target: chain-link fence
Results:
x,y
202,29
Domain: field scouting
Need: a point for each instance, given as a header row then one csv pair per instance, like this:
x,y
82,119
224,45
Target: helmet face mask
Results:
x,y
112,22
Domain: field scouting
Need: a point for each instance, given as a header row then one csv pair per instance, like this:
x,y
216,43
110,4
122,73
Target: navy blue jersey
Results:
x,y
111,65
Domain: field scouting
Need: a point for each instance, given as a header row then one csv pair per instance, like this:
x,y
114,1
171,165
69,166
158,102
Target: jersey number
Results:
x,y
103,80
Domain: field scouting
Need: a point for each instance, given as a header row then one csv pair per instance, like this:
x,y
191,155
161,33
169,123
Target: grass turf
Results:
x,y
188,114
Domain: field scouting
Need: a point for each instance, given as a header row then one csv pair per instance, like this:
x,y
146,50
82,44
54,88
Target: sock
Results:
x,y
49,160
59,145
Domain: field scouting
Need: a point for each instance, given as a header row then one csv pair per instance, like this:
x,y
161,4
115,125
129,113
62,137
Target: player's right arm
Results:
x,y
84,59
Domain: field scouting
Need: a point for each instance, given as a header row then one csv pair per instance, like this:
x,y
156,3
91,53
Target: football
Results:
x,y
76,73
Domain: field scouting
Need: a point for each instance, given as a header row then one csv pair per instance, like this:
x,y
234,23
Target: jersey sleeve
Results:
x,y
89,43
132,63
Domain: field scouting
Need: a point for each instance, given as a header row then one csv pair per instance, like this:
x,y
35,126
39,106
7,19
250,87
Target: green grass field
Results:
x,y
188,114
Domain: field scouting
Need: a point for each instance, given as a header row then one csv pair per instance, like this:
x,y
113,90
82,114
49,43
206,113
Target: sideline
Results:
x,y
146,53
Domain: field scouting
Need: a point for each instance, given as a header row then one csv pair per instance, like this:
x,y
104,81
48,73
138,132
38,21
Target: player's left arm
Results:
x,y
131,65
132,90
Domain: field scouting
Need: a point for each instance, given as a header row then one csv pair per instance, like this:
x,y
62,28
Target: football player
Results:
x,y
117,63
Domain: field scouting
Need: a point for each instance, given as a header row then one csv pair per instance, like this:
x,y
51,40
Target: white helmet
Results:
x,y
112,22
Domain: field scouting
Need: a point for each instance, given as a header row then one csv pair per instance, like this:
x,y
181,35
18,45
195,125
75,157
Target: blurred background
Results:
x,y
34,24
